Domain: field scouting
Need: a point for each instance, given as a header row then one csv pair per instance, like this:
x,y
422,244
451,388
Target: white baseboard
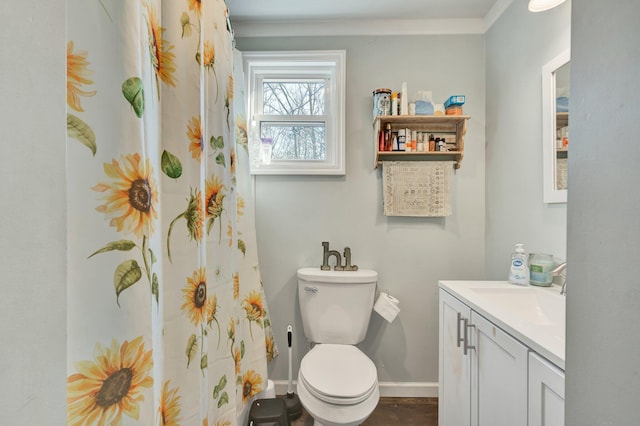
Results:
x,y
387,389
409,389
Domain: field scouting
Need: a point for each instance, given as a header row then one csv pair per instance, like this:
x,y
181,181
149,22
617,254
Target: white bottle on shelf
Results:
x,y
519,271
404,100
402,139
408,147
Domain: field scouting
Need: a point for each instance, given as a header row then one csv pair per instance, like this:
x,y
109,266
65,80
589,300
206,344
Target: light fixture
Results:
x,y
542,5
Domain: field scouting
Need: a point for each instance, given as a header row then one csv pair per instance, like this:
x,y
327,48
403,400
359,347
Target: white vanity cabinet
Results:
x,y
546,393
454,398
499,377
483,370
501,353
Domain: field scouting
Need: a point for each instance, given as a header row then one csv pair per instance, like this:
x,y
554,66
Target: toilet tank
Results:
x,y
336,305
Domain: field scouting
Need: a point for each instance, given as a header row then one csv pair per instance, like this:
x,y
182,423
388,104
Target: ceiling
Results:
x,y
306,17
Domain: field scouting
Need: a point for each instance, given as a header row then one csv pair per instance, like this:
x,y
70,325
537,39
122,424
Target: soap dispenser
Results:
x,y
519,272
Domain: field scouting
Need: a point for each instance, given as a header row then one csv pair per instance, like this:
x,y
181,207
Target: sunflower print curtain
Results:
x,y
167,320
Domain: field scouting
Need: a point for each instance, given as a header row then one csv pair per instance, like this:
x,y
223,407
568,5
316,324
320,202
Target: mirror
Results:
x,y
555,128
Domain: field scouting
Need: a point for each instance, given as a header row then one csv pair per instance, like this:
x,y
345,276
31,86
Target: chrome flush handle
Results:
x,y
311,289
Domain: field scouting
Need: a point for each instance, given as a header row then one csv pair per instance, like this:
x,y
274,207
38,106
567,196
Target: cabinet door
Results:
x,y
498,377
546,393
454,392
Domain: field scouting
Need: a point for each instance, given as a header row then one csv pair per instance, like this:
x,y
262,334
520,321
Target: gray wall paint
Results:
x,y
603,350
32,228
295,214
517,46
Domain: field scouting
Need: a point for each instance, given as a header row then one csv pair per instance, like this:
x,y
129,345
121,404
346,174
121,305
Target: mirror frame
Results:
x,y
550,192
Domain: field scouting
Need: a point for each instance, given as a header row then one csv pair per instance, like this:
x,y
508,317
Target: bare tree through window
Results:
x,y
296,132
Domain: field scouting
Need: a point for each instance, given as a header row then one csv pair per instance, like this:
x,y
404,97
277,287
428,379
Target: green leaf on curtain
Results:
x,y
216,143
153,257
127,274
204,361
242,349
224,399
185,24
134,94
220,159
155,287
78,129
267,323
242,246
122,245
221,384
192,347
171,165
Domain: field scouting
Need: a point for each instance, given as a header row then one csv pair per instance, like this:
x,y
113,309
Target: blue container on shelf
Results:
x,y
456,100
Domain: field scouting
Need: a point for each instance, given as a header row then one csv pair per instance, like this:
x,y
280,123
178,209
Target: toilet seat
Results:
x,y
338,374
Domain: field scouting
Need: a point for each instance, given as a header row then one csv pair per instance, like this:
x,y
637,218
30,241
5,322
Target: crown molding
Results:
x,y
368,27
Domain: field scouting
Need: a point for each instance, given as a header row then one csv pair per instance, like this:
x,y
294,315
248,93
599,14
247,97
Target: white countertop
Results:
x,y
533,315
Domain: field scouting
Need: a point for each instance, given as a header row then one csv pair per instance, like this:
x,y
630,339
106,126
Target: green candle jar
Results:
x,y
540,266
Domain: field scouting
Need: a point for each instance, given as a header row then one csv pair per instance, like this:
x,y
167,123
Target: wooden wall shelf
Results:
x,y
450,125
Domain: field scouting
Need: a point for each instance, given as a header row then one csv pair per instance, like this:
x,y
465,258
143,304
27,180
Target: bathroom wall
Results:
x,y
296,213
517,46
603,297
32,212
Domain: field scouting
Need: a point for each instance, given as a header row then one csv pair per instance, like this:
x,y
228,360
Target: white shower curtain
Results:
x,y
167,318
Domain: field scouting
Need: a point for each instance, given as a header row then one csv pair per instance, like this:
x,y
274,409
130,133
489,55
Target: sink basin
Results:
x,y
534,305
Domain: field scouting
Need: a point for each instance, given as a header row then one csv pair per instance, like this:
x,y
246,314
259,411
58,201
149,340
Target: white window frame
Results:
x,y
328,65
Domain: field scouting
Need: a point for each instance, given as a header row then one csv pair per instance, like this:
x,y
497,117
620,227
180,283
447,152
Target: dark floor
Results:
x,y
394,412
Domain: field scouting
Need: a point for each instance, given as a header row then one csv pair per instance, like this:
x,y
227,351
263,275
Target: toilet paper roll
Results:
x,y
387,307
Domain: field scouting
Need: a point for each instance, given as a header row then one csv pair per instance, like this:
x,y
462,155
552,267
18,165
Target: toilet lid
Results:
x,y
338,374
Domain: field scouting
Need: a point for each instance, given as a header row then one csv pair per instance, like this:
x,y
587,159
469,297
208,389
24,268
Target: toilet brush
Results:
x,y
294,408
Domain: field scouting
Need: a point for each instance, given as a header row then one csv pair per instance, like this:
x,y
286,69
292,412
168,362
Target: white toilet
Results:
x,y
337,382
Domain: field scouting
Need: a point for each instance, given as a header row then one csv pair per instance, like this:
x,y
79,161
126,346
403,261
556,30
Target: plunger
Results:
x,y
294,408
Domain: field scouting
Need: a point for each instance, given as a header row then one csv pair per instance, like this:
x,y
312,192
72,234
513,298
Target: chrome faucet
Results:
x,y
557,271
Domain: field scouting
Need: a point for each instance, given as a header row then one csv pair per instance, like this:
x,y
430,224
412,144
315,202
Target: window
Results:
x,y
296,112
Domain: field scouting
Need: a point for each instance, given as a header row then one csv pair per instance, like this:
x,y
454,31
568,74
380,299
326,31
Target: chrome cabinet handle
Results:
x,y
458,338
467,346
311,289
